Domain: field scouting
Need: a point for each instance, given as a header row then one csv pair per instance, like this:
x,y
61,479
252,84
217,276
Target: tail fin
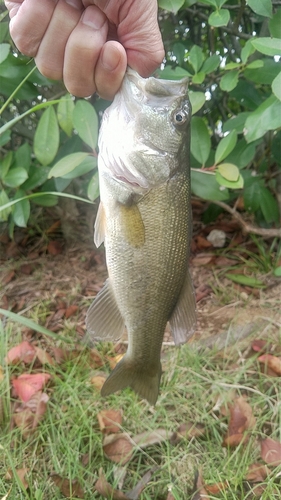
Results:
x,y
126,375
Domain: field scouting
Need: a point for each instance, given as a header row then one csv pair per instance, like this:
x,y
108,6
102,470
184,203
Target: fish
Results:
x,y
145,221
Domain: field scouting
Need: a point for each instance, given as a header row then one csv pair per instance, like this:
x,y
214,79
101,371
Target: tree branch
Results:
x,y
249,228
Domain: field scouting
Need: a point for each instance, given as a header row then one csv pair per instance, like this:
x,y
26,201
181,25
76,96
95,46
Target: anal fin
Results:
x,y
103,320
183,318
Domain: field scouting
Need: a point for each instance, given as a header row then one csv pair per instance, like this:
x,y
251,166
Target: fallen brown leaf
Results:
x,y
149,438
110,421
118,448
199,491
96,360
272,362
70,311
97,381
106,490
271,451
43,357
257,473
136,491
187,430
68,488
21,473
26,385
22,352
216,488
241,420
9,277
54,247
28,415
113,360
202,259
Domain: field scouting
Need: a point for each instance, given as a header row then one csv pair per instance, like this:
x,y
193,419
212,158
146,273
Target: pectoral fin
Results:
x,y
132,226
99,226
183,318
104,321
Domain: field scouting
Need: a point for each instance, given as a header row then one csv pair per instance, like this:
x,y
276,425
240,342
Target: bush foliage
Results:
x,y
230,51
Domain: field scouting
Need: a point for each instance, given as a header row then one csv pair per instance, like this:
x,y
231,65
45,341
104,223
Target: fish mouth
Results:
x,y
152,92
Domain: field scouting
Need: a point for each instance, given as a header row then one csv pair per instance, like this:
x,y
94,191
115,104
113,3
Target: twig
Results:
x,y
249,228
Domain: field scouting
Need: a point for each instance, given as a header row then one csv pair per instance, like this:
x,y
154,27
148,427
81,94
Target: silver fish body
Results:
x,y
145,222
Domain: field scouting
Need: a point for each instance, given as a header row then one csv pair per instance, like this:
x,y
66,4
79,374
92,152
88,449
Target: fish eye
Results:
x,y
180,118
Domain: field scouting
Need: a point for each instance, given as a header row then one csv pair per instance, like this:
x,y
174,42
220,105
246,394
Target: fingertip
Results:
x,y
110,69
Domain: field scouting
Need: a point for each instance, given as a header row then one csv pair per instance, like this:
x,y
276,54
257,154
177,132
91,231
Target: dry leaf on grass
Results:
x,y
70,311
241,420
149,438
118,448
97,381
22,352
136,491
216,488
21,473
110,421
43,357
28,415
68,488
271,451
96,360
187,430
257,473
200,492
113,360
27,384
271,362
106,490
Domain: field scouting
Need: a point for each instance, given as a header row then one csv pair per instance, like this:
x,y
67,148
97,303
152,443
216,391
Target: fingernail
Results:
x,y
77,4
110,58
93,17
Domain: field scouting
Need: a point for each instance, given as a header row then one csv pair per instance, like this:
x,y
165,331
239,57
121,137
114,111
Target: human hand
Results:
x,y
88,43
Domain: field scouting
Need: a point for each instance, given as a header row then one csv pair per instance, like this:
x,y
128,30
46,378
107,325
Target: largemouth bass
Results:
x,y
144,219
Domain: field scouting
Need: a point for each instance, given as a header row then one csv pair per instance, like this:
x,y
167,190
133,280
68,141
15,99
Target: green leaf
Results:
x,y
168,73
5,137
251,194
269,206
211,64
46,138
229,81
200,140
242,154
5,164
264,75
4,51
245,280
219,18
213,3
46,200
23,156
229,171
67,164
93,187
4,214
258,63
232,65
64,113
266,117
225,146
21,210
179,52
197,100
36,177
15,177
85,120
196,57
198,78
171,5
261,7
276,86
247,51
277,272
275,24
268,46
236,122
205,186
238,184
85,166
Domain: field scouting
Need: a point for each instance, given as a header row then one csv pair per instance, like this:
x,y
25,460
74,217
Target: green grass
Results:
x,y
192,384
